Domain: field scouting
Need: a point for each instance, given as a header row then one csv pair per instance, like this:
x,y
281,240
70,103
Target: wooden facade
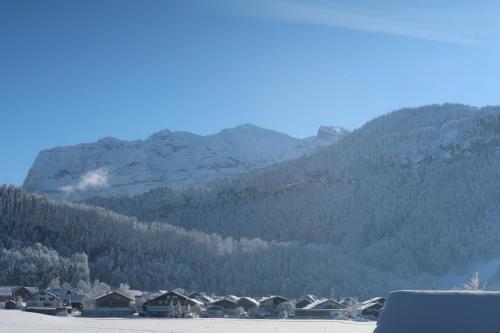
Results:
x,y
113,300
43,299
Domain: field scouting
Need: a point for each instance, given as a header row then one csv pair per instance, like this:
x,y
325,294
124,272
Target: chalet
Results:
x,y
322,309
69,297
112,304
113,300
170,304
271,303
304,301
20,292
202,297
6,294
348,301
380,300
214,312
228,306
44,302
248,303
371,310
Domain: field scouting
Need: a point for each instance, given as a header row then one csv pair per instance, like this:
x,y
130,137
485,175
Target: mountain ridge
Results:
x,y
111,166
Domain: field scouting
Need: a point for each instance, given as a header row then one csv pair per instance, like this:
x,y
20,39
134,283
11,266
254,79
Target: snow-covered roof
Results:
x,y
5,291
374,300
412,311
248,299
268,298
323,302
310,298
232,298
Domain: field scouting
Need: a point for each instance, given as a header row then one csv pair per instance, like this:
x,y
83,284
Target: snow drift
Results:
x,y
440,311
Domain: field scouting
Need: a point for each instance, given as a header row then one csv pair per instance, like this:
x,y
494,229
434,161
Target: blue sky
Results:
x,y
76,71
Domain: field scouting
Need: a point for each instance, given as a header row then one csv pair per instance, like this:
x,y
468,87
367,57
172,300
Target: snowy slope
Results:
x,y
24,322
111,166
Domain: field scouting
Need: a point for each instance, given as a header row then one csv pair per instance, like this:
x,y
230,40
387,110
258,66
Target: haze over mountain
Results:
x,y
176,159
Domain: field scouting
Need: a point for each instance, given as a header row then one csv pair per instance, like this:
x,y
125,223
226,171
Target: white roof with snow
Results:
x,y
411,311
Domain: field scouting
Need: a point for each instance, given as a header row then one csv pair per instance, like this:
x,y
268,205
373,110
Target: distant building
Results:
x,y
322,309
44,302
202,297
304,301
271,303
111,304
69,297
227,306
371,310
169,304
6,294
113,299
248,303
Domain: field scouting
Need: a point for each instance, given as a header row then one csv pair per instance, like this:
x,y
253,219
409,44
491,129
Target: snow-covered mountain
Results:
x,y
176,159
411,197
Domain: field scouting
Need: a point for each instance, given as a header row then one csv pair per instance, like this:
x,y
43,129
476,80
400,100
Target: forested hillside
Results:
x,y
412,192
159,256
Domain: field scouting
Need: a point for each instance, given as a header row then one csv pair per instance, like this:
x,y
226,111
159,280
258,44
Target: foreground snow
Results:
x,y
14,321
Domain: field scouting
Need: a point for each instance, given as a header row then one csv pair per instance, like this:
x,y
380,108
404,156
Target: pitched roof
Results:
x,y
5,291
380,300
44,292
112,292
323,302
224,303
248,299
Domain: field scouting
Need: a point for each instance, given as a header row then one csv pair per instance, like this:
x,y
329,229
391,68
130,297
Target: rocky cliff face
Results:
x,y
111,166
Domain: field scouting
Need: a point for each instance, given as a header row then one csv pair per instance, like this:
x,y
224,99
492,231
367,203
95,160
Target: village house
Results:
x,y
371,310
322,309
170,304
111,304
6,294
45,302
271,303
69,297
304,301
113,300
21,292
248,303
202,297
226,306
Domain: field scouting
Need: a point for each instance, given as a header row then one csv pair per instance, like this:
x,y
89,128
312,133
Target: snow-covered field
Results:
x,y
14,321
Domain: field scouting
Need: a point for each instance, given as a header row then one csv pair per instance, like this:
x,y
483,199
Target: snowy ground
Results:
x,y
14,321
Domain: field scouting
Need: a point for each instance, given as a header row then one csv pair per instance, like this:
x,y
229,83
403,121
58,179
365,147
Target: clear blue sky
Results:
x,y
75,71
